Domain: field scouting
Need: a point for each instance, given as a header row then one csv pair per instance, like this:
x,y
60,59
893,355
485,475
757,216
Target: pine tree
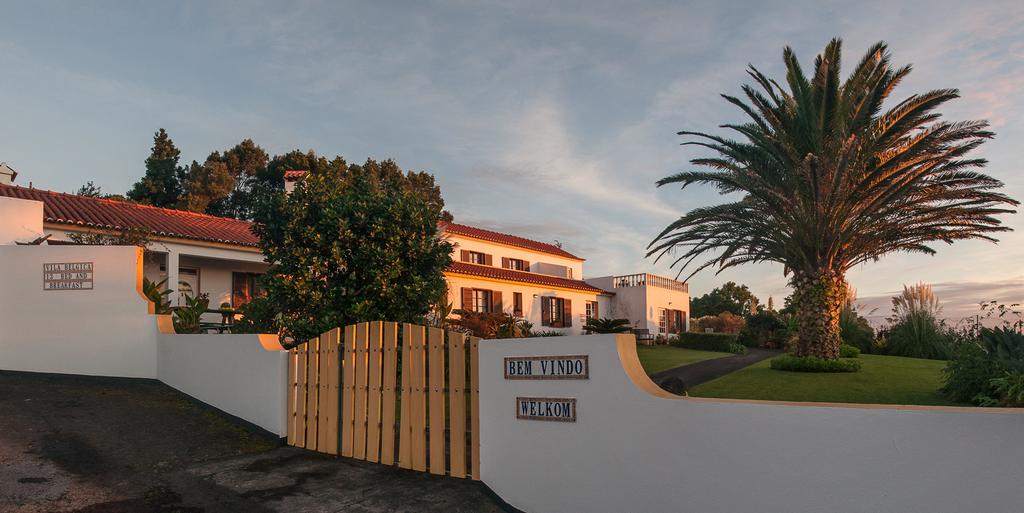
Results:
x,y
162,184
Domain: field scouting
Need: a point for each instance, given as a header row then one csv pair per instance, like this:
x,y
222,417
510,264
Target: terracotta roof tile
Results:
x,y
504,238
543,280
70,209
294,174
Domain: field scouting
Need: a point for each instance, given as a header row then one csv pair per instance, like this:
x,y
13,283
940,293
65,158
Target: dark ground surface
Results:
x,y
96,445
681,379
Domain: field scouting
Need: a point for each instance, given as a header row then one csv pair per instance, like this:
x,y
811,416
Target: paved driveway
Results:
x,y
77,444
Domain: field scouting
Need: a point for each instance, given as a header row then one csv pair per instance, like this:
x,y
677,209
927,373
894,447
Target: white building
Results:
x,y
197,253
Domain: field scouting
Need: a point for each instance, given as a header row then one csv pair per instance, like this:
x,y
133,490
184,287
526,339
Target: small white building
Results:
x,y
655,303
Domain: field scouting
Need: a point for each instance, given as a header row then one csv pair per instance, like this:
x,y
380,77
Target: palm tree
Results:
x,y
829,180
605,325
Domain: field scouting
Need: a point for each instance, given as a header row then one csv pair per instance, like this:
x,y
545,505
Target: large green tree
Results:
x,y
730,297
245,163
350,244
828,179
161,186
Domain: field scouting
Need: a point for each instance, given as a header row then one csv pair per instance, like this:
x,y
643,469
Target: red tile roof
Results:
x,y
504,238
543,280
73,210
294,174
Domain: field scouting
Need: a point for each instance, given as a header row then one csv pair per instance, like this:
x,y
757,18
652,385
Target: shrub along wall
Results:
x,y
706,341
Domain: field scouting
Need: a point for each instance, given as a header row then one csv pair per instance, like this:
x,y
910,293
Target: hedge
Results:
x,y
722,342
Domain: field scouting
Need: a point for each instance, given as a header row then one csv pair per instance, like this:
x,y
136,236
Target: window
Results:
x,y
481,300
475,257
244,287
591,310
556,312
515,264
517,304
662,321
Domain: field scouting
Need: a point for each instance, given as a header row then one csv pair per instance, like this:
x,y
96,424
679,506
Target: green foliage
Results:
x,y
788,362
546,333
235,175
830,173
737,348
492,324
258,316
205,184
730,297
726,322
161,186
89,190
1004,345
847,351
855,330
1007,391
764,329
919,335
723,342
350,246
187,318
969,373
606,325
161,305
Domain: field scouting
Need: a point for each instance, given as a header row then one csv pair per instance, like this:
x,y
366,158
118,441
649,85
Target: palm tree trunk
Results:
x,y
818,298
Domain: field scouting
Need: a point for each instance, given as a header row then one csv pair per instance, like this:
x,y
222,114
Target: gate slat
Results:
x,y
435,370
457,402
387,432
418,408
359,431
300,396
348,390
405,416
474,393
292,361
333,385
373,388
312,382
322,415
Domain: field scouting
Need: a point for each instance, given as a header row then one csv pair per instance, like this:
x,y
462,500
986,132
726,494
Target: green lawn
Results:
x,y
882,380
659,358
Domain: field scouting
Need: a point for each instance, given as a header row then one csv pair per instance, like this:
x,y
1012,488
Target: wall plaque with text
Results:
x,y
547,367
557,409
67,276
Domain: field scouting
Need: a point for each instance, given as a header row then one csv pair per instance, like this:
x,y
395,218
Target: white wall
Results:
x,y
105,331
244,375
20,220
635,448
555,264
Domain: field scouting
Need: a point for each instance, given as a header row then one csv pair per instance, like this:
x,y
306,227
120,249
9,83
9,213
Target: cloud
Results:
x,y
958,299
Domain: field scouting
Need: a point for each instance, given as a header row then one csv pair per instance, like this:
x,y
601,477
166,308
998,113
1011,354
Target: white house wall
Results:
x,y
531,304
659,298
543,263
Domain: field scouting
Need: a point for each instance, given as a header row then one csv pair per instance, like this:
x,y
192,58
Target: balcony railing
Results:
x,y
646,279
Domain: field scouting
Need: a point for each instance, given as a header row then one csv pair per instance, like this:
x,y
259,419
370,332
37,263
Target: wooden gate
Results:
x,y
366,391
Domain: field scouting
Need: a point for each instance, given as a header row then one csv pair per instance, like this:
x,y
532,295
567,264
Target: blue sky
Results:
x,y
549,120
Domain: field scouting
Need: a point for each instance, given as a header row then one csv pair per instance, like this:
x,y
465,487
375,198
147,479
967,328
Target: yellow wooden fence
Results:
x,y
347,396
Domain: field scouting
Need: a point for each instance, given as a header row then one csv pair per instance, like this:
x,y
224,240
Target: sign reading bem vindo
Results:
x,y
67,276
547,367
559,409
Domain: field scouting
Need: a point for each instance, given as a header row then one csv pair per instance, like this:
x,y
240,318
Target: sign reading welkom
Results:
x,y
68,276
547,367
559,409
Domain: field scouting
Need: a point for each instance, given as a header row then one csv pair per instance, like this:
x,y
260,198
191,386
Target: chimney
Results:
x,y
291,177
7,175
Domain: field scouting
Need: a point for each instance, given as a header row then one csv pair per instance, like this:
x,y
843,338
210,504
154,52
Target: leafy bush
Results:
x,y
605,325
855,330
764,329
737,348
919,335
848,351
492,324
725,322
153,292
258,316
187,318
788,362
984,371
1007,390
546,333
722,342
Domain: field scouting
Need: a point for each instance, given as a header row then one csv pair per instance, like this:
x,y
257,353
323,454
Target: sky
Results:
x,y
550,120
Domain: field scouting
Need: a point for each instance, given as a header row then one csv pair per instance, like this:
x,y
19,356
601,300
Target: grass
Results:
x,y
882,380
659,358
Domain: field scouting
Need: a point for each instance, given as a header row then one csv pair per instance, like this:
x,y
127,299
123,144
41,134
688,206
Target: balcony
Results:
x,y
646,279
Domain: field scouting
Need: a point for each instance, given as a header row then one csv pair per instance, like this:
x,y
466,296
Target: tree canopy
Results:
x,y
730,297
161,186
